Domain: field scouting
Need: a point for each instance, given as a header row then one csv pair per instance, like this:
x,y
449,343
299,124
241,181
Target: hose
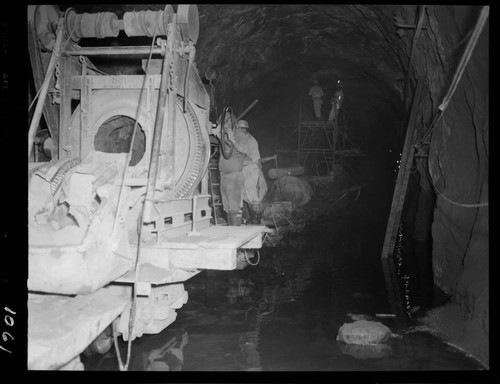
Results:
x,y
248,260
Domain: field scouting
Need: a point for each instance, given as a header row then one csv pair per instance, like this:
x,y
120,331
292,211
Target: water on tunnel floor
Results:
x,y
284,313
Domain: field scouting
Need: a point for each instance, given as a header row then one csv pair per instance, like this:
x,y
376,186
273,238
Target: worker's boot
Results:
x,y
237,218
234,218
257,214
247,214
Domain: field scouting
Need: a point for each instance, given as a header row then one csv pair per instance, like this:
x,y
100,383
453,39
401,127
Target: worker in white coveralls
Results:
x,y
255,186
241,176
316,92
231,177
337,99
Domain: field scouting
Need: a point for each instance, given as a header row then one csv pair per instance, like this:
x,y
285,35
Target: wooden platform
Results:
x,y
217,237
53,319
154,274
181,257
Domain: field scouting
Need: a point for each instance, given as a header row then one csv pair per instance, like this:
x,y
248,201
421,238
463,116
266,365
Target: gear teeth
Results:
x,y
184,189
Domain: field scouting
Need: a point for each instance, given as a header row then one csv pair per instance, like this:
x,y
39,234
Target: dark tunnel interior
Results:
x,y
273,53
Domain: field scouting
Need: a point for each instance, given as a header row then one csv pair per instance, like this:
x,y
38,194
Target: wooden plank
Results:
x,y
216,237
397,206
402,179
219,259
61,327
156,275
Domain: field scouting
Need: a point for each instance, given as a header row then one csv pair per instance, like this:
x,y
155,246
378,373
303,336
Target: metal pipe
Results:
x,y
155,146
45,87
110,51
248,109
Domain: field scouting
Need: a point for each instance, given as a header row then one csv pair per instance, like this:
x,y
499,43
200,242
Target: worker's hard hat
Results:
x,y
340,83
243,124
315,81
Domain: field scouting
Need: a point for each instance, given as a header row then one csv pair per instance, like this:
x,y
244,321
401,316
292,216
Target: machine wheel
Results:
x,y
191,145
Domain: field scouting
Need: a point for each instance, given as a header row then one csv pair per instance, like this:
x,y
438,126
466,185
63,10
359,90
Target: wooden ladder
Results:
x,y
215,192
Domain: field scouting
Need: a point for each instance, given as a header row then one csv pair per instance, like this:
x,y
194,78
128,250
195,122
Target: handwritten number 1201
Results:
x,y
9,321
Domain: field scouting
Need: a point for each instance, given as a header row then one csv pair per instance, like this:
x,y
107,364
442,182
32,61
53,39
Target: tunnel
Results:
x,y
274,52
382,54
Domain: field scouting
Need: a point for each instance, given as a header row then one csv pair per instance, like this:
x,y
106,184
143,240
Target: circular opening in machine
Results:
x,y
115,134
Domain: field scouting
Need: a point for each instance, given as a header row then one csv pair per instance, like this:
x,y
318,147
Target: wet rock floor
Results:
x,y
284,313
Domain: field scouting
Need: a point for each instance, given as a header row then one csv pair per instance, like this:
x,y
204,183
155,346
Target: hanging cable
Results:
x,y
466,57
442,107
459,72
464,205
124,367
248,260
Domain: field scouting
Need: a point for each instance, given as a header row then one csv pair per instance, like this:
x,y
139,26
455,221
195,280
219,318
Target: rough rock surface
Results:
x,y
364,332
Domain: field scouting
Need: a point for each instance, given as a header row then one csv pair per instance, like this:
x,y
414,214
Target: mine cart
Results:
x,y
119,214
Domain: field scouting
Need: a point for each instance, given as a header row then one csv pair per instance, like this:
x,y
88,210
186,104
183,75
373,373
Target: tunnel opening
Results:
x,y
115,136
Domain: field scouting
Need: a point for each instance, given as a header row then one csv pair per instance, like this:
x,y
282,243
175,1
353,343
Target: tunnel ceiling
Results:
x,y
273,52
253,47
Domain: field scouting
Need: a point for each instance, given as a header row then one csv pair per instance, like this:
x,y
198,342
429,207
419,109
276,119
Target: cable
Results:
x,y
248,260
464,205
442,107
136,271
466,57
460,70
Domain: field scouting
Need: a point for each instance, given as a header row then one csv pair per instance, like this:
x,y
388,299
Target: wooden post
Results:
x,y
398,199
154,162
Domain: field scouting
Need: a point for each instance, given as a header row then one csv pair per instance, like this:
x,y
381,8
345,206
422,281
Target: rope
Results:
x,y
124,367
248,260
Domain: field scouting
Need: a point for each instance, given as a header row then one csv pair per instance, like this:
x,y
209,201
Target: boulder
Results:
x,y
363,332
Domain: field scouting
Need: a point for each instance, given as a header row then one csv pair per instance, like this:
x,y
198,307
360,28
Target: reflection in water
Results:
x,y
284,313
248,343
167,358
369,351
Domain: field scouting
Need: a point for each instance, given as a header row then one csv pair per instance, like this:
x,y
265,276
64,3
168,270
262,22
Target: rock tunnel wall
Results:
x,y
457,165
255,49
